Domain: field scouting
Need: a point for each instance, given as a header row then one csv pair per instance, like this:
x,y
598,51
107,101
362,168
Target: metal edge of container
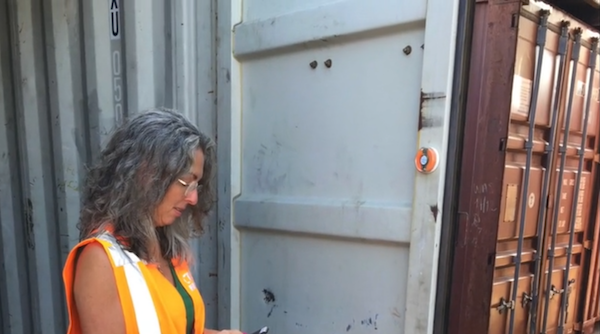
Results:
x,y
486,127
455,152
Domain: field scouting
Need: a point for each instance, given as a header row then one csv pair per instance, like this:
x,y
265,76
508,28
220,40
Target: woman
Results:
x,y
145,198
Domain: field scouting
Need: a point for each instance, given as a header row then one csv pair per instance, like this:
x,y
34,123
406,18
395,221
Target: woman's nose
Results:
x,y
192,197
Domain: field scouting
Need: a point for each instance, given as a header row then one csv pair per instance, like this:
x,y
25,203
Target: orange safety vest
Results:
x,y
151,304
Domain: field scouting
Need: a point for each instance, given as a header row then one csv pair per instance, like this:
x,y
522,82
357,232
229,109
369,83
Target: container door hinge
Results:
x,y
554,291
526,299
570,286
502,145
505,305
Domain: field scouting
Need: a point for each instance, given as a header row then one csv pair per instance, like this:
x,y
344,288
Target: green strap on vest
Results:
x,y
187,301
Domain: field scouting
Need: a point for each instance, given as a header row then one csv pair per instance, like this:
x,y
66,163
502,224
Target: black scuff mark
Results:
x,y
370,322
271,310
424,121
431,96
349,327
434,211
29,224
224,257
269,296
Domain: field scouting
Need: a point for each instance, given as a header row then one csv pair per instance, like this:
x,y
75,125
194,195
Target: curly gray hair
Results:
x,y
144,156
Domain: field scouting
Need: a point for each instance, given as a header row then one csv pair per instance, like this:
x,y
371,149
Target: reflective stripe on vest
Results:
x,y
143,305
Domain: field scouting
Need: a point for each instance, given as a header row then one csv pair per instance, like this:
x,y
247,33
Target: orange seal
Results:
x,y
426,160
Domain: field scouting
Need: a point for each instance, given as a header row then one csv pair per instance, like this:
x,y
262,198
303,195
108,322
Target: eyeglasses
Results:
x,y
189,186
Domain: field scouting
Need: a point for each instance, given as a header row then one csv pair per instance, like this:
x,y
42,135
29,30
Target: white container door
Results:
x,y
325,224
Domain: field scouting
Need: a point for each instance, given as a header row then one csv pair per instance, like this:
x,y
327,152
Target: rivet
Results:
x,y
407,50
328,63
313,64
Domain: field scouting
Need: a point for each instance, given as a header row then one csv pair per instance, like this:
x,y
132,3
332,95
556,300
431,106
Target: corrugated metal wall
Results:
x,y
68,72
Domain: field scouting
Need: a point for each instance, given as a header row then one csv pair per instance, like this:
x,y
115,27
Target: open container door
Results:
x,y
325,225
532,119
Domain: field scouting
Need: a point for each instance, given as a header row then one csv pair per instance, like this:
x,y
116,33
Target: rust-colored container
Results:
x,y
546,253
536,262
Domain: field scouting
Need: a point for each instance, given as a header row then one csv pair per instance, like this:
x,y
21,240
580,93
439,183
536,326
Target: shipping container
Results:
x,y
306,102
533,119
70,70
322,107
392,166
